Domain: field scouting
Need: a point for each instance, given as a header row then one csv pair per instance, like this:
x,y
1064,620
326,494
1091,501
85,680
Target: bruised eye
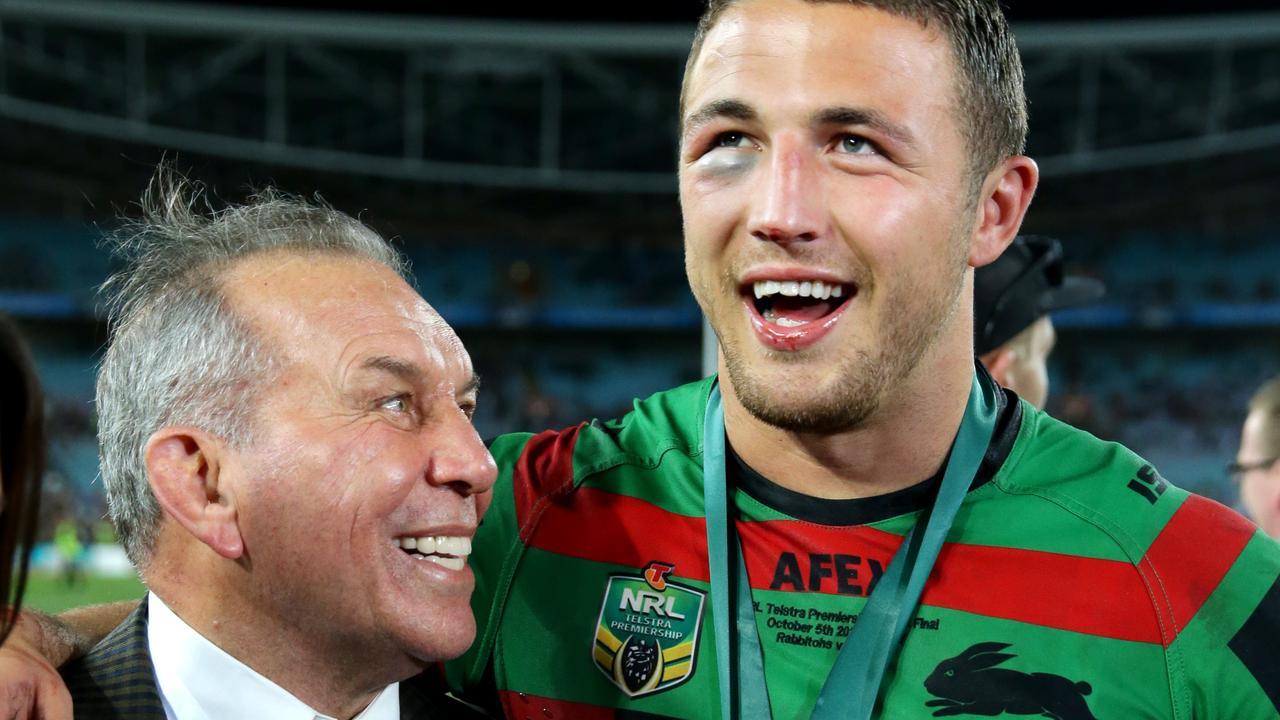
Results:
x,y
731,140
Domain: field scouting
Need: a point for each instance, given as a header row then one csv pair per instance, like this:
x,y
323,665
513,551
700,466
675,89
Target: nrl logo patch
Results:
x,y
647,633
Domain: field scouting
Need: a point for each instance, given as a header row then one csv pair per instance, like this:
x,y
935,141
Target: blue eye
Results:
x,y
855,145
398,403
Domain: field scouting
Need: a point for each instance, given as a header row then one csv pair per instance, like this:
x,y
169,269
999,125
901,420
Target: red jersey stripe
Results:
x,y
605,527
1181,574
1098,597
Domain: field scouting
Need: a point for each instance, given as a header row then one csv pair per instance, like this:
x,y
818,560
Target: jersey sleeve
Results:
x,y
1227,650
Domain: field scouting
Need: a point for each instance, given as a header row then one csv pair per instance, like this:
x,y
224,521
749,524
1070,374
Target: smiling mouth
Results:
x,y
444,550
794,304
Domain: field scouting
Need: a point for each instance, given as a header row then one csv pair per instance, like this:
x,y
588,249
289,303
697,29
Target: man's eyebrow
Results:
x,y
405,370
472,386
727,108
863,116
411,372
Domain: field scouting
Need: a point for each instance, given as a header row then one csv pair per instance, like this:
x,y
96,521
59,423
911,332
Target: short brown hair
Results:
x,y
992,100
1266,402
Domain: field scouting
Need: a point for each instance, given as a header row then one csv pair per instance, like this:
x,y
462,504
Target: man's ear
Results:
x,y
183,466
997,363
1006,194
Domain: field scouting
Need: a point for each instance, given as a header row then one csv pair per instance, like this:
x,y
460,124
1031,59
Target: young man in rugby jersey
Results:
x,y
844,166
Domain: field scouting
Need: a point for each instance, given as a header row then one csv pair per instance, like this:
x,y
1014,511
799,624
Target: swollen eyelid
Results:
x,y
722,163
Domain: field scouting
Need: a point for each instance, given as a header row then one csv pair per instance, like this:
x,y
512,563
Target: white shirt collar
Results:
x,y
197,680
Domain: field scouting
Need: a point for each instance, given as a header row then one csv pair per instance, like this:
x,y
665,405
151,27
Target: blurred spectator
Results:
x,y
1012,298
21,464
1256,470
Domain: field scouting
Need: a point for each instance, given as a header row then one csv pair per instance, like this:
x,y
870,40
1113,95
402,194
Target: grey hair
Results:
x,y
178,354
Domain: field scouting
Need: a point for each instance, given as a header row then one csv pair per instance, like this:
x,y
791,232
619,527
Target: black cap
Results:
x,y
1021,286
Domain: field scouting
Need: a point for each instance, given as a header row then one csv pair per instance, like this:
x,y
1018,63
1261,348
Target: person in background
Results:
x,y
21,464
1012,299
22,457
1256,469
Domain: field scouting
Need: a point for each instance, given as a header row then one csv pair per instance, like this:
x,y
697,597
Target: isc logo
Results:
x,y
649,603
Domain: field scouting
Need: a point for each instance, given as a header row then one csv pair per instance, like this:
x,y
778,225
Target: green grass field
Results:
x,y
50,593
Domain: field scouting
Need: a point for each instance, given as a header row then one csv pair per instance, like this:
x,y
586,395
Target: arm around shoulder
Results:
x,y
30,686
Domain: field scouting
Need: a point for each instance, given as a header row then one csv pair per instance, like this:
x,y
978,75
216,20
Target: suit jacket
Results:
x,y
116,681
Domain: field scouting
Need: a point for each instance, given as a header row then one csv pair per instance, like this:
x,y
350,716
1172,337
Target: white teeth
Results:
x,y
453,563
457,547
808,288
453,545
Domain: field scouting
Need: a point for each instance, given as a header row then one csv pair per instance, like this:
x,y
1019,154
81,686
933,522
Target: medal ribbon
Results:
x,y
853,684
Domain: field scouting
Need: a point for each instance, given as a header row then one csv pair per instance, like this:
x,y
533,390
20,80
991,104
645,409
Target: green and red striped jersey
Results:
x,y
1075,582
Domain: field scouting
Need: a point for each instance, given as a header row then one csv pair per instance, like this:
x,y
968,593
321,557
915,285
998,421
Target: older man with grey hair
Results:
x,y
287,447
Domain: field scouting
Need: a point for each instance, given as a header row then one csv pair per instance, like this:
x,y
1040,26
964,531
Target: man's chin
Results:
x,y
805,400
441,640
814,415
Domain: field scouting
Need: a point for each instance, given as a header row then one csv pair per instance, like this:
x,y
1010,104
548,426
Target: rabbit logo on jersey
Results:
x,y
971,684
647,632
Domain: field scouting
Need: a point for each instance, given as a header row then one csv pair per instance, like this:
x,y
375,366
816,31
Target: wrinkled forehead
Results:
x,y
329,308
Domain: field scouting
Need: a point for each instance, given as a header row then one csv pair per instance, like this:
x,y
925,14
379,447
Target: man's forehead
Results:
x,y
327,299
824,45
311,283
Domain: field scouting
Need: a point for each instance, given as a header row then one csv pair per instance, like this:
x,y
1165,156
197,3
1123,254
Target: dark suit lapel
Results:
x,y
413,704
116,680
423,698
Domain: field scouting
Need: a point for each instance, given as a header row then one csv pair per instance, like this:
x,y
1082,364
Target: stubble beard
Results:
x,y
865,377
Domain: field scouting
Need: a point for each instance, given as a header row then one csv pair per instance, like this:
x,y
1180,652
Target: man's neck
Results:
x,y
904,442
281,651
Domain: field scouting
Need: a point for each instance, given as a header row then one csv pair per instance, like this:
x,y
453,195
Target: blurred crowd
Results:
x,y
1143,368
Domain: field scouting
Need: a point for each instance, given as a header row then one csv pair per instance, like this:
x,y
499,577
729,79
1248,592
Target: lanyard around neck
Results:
x,y
853,684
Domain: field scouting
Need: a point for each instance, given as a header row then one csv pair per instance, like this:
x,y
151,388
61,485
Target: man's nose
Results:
x,y
788,206
459,458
